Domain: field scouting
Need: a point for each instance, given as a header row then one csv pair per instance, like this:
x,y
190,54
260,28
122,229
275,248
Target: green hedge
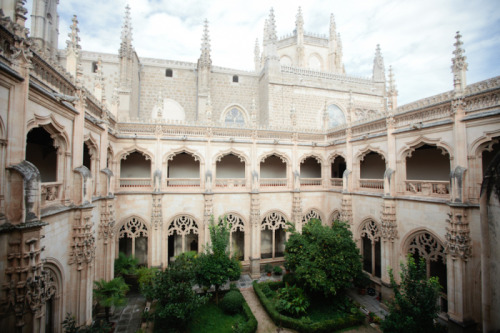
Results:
x,y
251,325
300,324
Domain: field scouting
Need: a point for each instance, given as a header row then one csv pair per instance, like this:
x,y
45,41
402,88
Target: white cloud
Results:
x,y
416,37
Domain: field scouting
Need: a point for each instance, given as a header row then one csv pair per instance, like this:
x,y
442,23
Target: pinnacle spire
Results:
x,y
333,27
378,66
257,55
299,21
205,46
459,64
392,93
271,27
126,43
73,44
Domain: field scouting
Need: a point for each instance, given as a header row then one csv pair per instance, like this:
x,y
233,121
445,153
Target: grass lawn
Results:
x,y
211,319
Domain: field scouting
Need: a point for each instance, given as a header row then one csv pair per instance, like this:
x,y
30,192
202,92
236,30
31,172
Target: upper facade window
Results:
x,y
236,78
234,117
169,72
335,116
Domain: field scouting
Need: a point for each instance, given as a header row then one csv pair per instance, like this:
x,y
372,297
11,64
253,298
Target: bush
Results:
x,y
292,301
145,279
289,279
232,302
305,324
277,270
125,265
268,268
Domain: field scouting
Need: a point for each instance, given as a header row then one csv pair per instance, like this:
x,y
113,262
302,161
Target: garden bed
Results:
x,y
210,318
327,316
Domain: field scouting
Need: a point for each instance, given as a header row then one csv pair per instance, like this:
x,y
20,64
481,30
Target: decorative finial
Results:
x,y
378,66
333,27
126,43
73,44
271,28
205,46
459,64
299,21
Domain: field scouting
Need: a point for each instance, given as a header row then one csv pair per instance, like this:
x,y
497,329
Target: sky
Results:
x,y
416,36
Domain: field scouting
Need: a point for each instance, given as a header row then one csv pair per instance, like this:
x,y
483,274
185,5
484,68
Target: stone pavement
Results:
x,y
370,303
128,319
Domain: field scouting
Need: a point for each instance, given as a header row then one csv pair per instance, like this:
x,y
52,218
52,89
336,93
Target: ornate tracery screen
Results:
x,y
273,235
370,247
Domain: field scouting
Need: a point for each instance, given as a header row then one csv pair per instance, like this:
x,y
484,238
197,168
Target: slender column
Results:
x,y
255,232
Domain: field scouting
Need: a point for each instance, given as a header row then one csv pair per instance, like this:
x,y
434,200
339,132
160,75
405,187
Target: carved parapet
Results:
x,y
255,209
389,228
458,240
107,223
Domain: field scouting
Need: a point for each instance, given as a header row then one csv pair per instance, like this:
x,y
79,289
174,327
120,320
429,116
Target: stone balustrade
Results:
x,y
372,184
336,182
135,183
308,182
273,182
230,183
183,182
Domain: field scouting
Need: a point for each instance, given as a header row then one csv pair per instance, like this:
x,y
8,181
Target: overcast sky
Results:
x,y
416,36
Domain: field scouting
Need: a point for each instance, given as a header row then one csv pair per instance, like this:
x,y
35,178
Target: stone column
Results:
x,y
203,233
255,235
297,211
389,252
156,249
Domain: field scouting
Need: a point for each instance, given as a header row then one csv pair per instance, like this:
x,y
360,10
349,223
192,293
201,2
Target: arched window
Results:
x,y
489,153
40,151
310,172
135,170
315,62
236,235
273,171
182,236
312,214
335,116
370,248
230,171
169,72
424,245
335,216
133,240
183,170
234,117
272,236
338,167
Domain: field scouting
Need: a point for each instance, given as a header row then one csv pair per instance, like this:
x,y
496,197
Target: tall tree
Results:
x,y
324,259
216,265
415,305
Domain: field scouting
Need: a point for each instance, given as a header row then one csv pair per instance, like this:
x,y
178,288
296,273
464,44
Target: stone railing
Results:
x,y
183,182
273,182
310,182
230,183
336,182
51,193
428,187
135,183
325,75
426,102
421,116
372,184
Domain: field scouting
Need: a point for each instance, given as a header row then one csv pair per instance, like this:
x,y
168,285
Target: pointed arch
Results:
x,y
241,155
334,216
135,148
410,147
183,235
132,237
238,234
235,114
283,156
369,232
314,155
172,153
312,213
334,155
272,234
54,284
56,130
368,149
477,147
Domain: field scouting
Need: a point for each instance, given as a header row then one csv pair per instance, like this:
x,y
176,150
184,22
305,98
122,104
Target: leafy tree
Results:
x,y
415,300
125,265
173,288
110,293
216,265
324,259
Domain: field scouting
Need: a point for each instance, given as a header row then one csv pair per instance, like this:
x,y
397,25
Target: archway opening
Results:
x,y
272,236
370,248
183,170
133,240
273,171
40,151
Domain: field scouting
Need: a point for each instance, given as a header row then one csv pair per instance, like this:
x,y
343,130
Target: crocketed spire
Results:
x,y
205,47
459,65
126,43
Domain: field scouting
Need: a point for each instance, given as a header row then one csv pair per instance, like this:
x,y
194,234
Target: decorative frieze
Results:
x,y
83,244
346,209
458,240
107,223
296,209
389,229
156,215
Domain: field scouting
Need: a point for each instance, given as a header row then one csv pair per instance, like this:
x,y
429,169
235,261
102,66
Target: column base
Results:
x,y
461,327
254,268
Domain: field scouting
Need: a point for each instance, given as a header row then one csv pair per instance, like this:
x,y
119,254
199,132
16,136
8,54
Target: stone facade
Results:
x,y
140,166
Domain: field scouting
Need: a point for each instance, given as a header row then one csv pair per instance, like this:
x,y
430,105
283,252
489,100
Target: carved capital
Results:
x,y
458,240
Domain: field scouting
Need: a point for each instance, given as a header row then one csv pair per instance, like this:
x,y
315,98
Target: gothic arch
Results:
x,y
334,155
316,156
54,306
235,220
318,57
286,61
239,233
92,144
369,232
182,224
410,147
312,213
132,226
134,148
134,232
335,215
368,149
425,239
369,227
283,156
54,128
477,147
273,219
170,155
240,109
243,158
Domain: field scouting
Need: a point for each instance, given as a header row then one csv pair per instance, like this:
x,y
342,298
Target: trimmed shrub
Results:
x,y
292,301
232,302
304,324
289,279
